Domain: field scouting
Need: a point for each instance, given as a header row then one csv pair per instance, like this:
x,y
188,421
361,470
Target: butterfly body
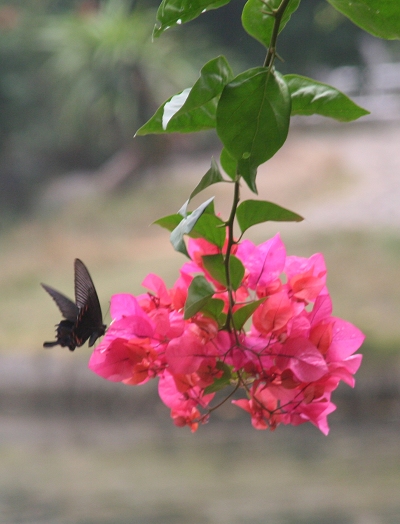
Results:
x,y
83,319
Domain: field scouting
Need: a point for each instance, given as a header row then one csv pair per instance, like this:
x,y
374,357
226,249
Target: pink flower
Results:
x,y
183,397
129,361
186,417
303,358
273,314
263,263
316,413
185,354
262,407
288,364
156,284
306,276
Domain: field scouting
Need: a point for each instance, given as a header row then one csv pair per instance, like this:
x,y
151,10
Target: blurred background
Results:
x,y
77,79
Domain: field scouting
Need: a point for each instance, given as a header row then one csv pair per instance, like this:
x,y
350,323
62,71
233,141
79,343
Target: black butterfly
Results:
x,y
83,320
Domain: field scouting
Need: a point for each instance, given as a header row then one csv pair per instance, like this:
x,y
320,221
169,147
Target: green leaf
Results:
x,y
214,76
213,176
213,309
221,382
228,163
199,119
379,17
185,227
169,222
248,171
251,212
209,209
241,315
211,228
173,12
253,117
310,97
194,108
236,270
215,265
199,293
257,19
208,226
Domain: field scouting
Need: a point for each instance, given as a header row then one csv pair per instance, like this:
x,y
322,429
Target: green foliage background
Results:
x,y
76,84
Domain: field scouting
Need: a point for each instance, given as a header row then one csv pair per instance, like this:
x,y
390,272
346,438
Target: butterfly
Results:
x,y
83,319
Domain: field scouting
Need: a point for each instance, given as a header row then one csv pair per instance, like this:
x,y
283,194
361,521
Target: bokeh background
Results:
x,y
77,79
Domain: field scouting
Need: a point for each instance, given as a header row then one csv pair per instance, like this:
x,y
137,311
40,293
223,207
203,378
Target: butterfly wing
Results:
x,y
83,283
68,309
89,323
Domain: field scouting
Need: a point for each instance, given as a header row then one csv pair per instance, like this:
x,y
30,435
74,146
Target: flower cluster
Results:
x,y
285,364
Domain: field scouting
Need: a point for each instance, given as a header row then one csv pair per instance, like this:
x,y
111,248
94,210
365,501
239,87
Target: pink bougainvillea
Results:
x,y
281,364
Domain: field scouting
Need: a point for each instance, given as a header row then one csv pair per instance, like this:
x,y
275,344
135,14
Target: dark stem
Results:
x,y
277,14
231,241
210,410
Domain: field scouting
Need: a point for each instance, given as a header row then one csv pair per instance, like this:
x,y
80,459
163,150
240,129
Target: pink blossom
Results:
x,y
286,366
306,276
186,417
316,413
129,361
185,354
263,263
155,284
273,314
182,397
262,407
302,357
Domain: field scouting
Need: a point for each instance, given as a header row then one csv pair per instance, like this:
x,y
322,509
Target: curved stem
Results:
x,y
231,241
269,60
210,410
277,14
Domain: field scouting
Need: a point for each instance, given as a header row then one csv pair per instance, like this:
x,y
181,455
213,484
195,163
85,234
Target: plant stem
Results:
x,y
231,241
278,14
222,401
269,60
